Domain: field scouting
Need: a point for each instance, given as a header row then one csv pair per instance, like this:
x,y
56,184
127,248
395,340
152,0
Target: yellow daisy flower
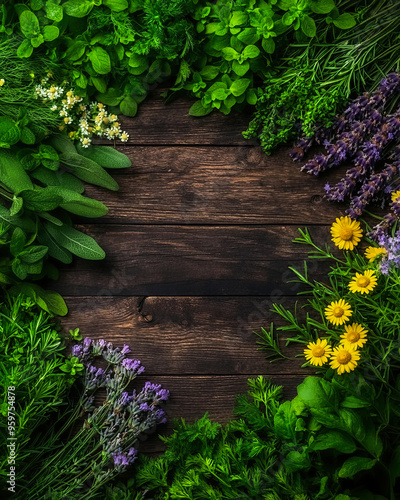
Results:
x,y
372,253
395,195
344,360
363,283
317,353
338,312
346,233
355,336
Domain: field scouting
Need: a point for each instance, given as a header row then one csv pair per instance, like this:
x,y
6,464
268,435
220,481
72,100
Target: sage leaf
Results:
x,y
76,242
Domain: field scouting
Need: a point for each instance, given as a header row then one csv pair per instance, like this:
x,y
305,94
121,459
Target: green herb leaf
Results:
x,y
76,242
345,21
116,5
50,33
308,26
334,439
240,86
322,6
78,8
100,60
355,464
29,24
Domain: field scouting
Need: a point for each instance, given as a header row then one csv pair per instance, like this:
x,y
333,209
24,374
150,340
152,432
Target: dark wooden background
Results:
x,y
198,242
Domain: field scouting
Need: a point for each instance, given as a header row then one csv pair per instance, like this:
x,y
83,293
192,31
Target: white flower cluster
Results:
x,y
84,120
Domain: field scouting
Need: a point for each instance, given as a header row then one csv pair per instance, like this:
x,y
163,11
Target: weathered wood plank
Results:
x,y
160,123
191,260
209,185
187,335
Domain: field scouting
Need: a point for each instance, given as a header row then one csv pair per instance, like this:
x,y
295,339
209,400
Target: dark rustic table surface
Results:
x,y
198,242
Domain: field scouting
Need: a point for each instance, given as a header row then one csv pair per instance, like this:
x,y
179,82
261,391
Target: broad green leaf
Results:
x,y
268,45
355,464
36,4
9,131
128,106
308,26
353,402
77,204
221,94
251,97
322,6
62,144
40,199
33,254
116,5
55,250
25,49
249,36
138,61
60,179
112,97
25,223
100,60
54,12
317,393
230,54
345,21
48,300
12,173
239,87
99,83
27,136
250,52
20,269
78,8
295,460
209,72
50,33
197,109
240,69
17,205
238,18
88,170
105,156
18,240
286,4
285,422
334,439
37,41
75,50
76,242
29,24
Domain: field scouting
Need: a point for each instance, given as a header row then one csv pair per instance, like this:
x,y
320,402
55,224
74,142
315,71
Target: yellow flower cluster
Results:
x,y
344,357
81,121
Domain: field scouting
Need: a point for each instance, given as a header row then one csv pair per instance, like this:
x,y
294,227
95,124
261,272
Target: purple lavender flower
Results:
x,y
94,377
122,460
77,351
113,355
98,347
131,368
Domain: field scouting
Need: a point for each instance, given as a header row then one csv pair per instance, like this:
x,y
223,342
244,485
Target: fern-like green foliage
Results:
x,y
336,440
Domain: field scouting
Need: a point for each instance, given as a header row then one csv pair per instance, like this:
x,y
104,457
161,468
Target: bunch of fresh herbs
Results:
x,y
337,439
314,80
33,369
75,463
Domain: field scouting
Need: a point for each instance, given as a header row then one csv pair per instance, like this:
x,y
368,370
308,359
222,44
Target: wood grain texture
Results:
x,y
214,185
187,335
191,260
160,123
